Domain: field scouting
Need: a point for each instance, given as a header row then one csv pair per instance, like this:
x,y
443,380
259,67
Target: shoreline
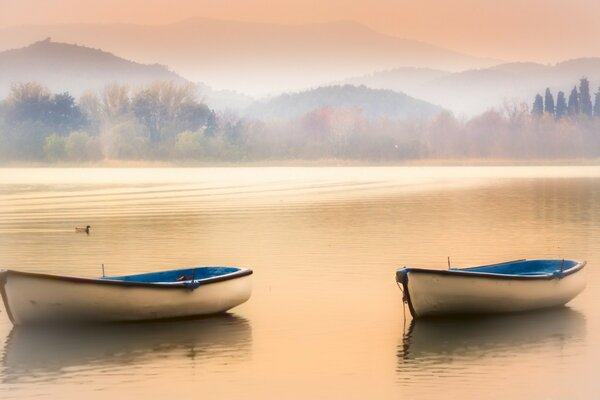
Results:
x,y
305,163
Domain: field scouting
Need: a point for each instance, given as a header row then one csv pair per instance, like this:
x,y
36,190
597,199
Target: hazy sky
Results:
x,y
536,30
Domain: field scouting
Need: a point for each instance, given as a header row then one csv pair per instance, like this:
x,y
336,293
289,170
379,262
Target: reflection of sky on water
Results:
x,y
325,313
50,353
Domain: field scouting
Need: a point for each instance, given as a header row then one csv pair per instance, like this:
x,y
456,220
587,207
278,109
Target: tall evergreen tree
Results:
x,y
585,100
573,106
549,102
597,104
561,105
538,105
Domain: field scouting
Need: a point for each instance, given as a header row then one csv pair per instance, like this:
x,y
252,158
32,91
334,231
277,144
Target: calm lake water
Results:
x,y
325,319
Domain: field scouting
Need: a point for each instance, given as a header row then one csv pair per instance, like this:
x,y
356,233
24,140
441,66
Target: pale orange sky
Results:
x,y
532,30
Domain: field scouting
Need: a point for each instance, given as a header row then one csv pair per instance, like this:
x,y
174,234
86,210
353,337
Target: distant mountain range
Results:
x,y
253,58
65,67
403,79
371,103
476,90
391,93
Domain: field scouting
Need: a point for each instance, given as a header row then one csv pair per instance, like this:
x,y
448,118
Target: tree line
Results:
x,y
579,102
165,121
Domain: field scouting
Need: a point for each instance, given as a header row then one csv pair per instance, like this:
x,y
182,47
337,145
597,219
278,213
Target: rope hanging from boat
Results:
x,y
404,302
404,298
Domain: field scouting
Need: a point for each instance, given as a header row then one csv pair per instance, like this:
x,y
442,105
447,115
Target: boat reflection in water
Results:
x,y
53,351
444,340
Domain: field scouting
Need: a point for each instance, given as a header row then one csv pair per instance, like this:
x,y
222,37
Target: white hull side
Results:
x,y
437,294
33,299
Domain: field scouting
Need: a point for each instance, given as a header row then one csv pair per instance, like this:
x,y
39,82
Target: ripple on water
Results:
x,y
325,318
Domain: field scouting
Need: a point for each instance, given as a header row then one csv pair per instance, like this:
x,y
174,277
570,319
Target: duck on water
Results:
x,y
83,230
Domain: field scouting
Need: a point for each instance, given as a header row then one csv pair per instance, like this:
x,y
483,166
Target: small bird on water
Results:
x,y
82,230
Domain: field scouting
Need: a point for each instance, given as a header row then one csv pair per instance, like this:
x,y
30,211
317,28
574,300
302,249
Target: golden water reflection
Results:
x,y
325,314
49,353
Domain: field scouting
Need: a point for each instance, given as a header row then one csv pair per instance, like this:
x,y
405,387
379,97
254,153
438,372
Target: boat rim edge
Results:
x,y
160,285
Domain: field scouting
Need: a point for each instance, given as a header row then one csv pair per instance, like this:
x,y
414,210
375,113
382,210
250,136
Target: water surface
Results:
x,y
325,319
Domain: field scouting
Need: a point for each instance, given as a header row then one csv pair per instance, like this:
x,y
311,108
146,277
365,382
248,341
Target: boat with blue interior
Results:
x,y
514,286
37,297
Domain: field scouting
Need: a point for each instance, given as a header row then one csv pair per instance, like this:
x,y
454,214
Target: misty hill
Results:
x,y
255,58
490,87
476,90
372,103
67,67
404,79
223,100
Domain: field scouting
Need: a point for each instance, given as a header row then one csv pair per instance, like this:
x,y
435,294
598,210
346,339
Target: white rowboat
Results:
x,y
514,286
38,298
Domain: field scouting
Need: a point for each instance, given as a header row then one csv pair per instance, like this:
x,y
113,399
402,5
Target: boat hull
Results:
x,y
437,293
38,298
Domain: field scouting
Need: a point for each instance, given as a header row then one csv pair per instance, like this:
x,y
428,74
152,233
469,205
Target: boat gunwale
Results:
x,y
468,272
114,282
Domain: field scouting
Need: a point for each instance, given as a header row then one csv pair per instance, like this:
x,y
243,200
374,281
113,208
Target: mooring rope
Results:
x,y
404,302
